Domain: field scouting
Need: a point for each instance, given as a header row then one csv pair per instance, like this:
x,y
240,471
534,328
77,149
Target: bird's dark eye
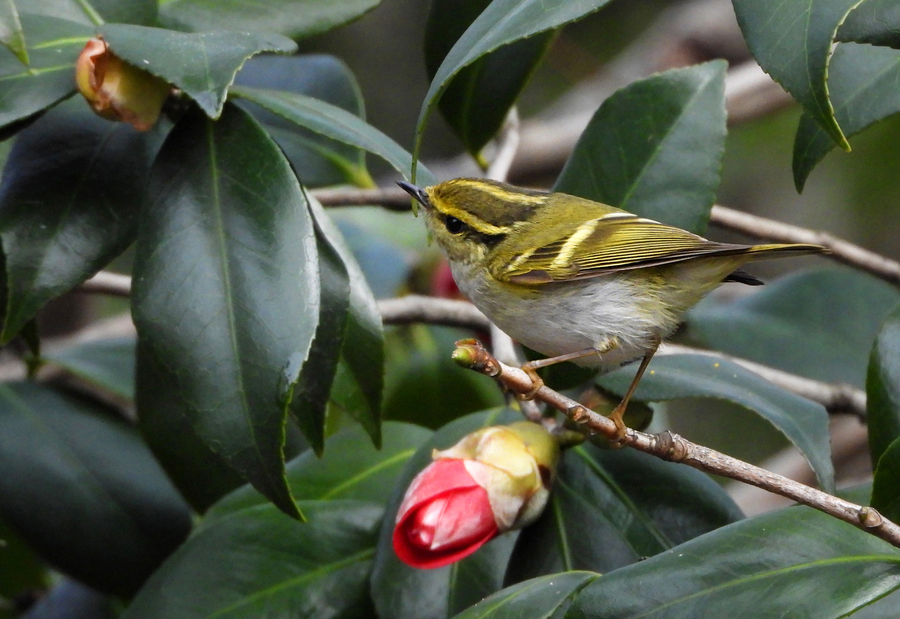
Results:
x,y
454,225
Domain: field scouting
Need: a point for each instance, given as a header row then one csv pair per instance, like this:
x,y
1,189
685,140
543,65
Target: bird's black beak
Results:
x,y
416,192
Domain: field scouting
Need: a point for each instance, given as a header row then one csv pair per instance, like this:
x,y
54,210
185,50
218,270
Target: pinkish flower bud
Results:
x,y
492,481
117,90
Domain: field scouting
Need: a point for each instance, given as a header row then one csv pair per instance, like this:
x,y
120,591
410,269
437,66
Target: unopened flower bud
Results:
x,y
492,481
117,90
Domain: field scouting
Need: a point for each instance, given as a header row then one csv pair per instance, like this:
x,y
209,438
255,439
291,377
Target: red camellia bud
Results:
x,y
117,90
492,481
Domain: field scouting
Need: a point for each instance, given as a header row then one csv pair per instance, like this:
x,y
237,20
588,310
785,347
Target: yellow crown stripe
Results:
x,y
500,193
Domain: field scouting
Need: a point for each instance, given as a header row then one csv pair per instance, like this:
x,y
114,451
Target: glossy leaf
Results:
x,y
226,290
863,84
95,12
501,23
53,46
479,97
539,598
83,490
351,468
332,122
886,487
655,147
294,18
796,562
401,591
203,65
791,40
634,505
876,22
259,563
883,388
69,202
11,34
358,383
318,160
108,364
803,422
818,323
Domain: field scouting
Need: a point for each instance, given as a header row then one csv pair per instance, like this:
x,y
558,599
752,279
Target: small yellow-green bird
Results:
x,y
575,279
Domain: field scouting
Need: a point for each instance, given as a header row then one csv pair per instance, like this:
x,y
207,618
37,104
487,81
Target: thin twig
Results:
x,y
109,283
674,448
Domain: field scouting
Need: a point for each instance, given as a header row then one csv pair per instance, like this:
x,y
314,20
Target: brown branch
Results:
x,y
669,446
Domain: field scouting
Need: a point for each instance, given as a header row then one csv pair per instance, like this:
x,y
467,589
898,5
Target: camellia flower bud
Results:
x,y
492,481
117,90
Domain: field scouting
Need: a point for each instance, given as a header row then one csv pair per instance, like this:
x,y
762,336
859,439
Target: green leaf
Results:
x,y
201,65
351,468
23,572
876,22
332,122
818,323
796,562
886,487
883,388
83,490
501,23
259,563
359,381
226,290
791,40
294,18
539,598
311,375
11,34
108,364
422,385
862,80
479,97
95,12
634,506
69,202
53,47
803,422
655,147
318,160
400,591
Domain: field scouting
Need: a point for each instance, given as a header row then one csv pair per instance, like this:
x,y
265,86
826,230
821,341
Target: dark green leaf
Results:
x,y
53,47
803,422
539,598
634,506
501,23
95,12
359,380
422,385
332,122
259,563
791,40
317,159
310,376
22,571
862,81
351,468
886,487
69,202
655,147
796,562
83,490
404,592
108,364
818,323
874,21
479,97
11,34
226,290
202,65
883,388
294,18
